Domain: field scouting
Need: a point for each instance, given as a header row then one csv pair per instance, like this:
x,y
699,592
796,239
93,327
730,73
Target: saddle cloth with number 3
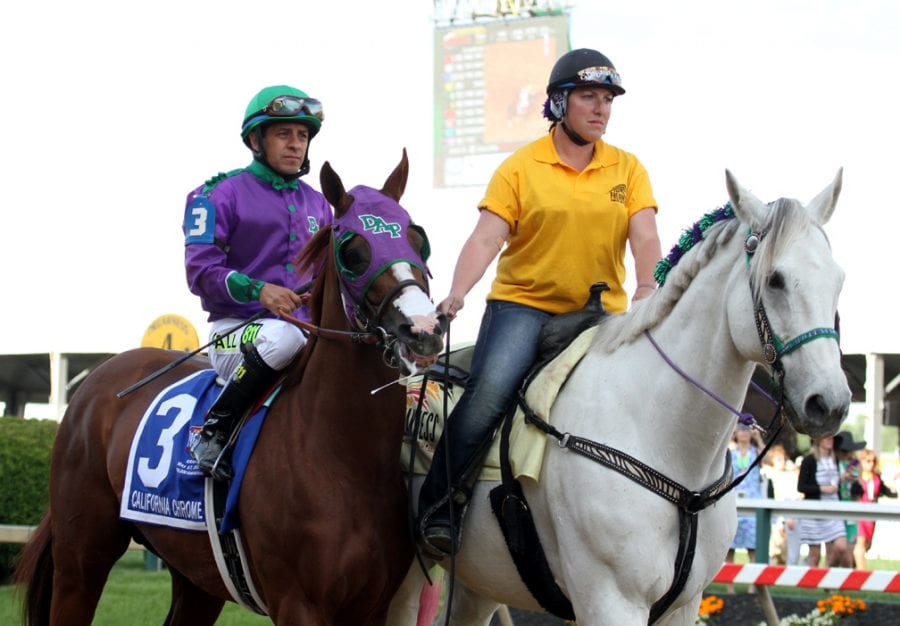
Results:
x,y
163,484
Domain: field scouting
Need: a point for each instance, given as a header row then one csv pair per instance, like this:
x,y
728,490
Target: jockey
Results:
x,y
559,212
243,230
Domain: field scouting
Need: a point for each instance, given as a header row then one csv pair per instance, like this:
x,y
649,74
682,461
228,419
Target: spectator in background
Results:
x,y
845,450
872,489
782,473
819,480
744,453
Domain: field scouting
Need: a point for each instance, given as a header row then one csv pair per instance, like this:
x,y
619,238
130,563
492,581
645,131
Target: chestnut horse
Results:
x,y
322,505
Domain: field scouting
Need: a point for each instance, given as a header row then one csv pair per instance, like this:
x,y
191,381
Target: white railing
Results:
x,y
20,534
821,509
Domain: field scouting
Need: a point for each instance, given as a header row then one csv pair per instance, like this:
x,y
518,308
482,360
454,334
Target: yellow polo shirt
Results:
x,y
568,229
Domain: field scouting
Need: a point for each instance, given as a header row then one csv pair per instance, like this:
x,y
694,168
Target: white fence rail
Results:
x,y
793,508
817,508
20,534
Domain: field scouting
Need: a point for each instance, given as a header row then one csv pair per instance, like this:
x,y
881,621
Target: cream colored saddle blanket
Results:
x,y
527,443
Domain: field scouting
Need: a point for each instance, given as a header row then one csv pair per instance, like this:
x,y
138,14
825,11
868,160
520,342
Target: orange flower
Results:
x,y
840,605
710,605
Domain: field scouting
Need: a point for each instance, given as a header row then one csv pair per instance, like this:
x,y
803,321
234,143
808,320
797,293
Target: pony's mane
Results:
x,y
785,222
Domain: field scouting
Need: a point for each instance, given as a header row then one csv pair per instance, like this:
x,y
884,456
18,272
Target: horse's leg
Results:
x,y
684,616
88,536
82,561
191,606
405,605
468,608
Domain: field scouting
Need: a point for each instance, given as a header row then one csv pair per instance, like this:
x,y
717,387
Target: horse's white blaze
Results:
x,y
413,302
610,542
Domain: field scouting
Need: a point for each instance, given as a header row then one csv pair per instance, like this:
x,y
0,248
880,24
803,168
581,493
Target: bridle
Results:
x,y
368,329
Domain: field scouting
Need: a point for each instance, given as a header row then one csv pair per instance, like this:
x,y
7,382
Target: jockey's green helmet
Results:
x,y
281,103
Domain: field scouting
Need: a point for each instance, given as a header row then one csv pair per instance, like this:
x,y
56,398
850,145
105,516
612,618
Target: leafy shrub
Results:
x,y
25,447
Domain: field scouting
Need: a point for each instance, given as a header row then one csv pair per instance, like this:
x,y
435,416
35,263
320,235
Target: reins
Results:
x,y
353,336
372,332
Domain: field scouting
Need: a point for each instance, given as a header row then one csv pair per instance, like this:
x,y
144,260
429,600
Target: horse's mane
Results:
x,y
313,255
311,265
785,222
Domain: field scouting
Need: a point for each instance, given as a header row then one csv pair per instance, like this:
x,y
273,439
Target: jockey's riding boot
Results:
x,y
250,380
439,525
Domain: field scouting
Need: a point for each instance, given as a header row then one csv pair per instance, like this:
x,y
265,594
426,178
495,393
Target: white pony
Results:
x,y
731,286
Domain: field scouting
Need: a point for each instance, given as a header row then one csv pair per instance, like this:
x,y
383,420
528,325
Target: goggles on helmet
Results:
x,y
291,106
600,74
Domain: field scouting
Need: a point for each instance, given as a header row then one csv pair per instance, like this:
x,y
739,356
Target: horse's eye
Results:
x,y
776,281
419,241
354,256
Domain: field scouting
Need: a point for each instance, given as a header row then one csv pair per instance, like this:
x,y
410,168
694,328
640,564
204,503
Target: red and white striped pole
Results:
x,y
837,578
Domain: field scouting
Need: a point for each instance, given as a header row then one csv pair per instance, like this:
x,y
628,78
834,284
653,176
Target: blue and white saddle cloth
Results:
x,y
163,484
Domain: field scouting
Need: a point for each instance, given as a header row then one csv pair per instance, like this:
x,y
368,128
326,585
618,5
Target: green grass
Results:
x,y
137,597
132,597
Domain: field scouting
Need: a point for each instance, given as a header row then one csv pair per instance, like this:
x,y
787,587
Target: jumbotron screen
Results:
x,y
490,81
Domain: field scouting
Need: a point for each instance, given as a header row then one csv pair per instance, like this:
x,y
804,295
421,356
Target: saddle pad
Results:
x,y
163,485
527,443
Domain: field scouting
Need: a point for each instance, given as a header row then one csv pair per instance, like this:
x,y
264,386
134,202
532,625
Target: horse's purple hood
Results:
x,y
383,223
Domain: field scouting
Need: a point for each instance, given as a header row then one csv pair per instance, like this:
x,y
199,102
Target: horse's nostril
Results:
x,y
815,406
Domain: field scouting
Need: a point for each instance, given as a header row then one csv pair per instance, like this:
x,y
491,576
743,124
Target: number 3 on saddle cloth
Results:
x,y
163,484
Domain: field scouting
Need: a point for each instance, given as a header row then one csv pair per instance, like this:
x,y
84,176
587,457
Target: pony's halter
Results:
x,y
383,224
772,346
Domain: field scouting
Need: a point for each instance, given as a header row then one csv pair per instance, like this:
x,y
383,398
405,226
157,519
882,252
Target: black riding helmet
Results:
x,y
578,68
584,67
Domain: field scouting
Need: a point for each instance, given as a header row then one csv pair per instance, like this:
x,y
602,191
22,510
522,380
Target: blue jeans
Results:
x,y
506,348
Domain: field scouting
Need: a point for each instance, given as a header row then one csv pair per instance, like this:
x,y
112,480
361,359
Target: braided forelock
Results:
x,y
786,222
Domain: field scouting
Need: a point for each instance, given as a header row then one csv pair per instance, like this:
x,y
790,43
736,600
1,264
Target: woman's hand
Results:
x,y
451,306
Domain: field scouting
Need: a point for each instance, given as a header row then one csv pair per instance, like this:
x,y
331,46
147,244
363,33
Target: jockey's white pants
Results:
x,y
276,341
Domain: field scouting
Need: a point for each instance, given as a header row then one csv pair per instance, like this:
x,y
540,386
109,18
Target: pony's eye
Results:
x,y
776,281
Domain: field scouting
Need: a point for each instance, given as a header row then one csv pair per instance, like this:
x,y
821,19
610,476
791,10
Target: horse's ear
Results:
x,y
333,190
822,206
395,184
749,209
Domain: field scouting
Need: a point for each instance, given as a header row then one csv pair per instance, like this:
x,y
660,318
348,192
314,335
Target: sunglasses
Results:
x,y
290,106
600,74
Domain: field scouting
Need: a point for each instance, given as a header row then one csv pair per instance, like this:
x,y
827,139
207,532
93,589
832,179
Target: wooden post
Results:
x,y
768,607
